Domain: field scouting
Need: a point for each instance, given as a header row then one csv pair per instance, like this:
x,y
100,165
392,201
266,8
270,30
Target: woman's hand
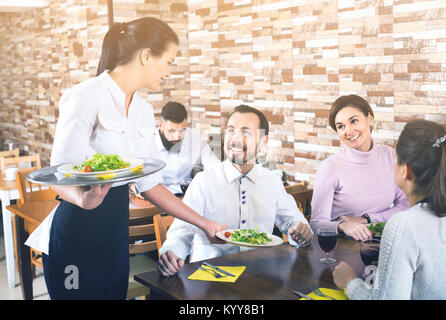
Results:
x,y
343,274
88,198
211,228
357,231
92,196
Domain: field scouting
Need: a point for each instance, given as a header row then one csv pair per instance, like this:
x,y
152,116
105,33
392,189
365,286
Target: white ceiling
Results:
x,y
21,5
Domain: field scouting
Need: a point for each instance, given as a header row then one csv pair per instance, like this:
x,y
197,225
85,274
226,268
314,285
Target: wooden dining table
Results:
x,y
271,273
28,217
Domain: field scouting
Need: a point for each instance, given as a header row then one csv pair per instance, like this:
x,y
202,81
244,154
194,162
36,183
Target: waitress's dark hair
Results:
x,y
420,148
349,101
124,40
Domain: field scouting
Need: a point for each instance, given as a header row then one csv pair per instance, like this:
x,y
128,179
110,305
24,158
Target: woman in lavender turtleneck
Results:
x,y
355,186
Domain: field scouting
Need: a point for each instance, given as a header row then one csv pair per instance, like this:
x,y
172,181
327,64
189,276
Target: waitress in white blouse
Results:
x,y
89,230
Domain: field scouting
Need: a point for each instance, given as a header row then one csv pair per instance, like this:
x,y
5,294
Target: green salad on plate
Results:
x,y
377,228
249,236
101,162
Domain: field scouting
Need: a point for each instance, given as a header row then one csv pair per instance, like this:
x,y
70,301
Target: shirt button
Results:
x,y
243,192
244,197
243,221
243,202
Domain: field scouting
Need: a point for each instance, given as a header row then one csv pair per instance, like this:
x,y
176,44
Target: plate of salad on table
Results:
x,y
249,238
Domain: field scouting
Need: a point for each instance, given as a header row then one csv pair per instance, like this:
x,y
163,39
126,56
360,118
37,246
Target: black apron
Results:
x,y
89,250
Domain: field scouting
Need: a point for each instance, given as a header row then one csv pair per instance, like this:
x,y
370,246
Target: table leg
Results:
x,y
24,257
9,242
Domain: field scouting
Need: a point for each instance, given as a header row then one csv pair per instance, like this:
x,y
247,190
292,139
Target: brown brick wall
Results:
x,y
291,61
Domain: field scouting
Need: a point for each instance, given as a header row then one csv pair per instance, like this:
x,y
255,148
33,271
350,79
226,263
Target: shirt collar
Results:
x,y
231,172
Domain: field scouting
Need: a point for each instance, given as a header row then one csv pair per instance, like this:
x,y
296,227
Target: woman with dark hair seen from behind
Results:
x,y
355,186
413,243
105,114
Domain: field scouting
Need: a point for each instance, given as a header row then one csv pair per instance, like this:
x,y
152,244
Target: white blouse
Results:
x,y
92,119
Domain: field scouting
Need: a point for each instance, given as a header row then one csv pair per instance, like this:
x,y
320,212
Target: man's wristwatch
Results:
x,y
367,217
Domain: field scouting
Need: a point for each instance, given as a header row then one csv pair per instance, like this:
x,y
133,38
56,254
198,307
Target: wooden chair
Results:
x,y
28,192
17,161
301,186
141,230
10,153
302,195
162,224
303,201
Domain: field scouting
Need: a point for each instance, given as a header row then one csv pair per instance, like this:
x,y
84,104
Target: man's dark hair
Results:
x,y
243,108
174,111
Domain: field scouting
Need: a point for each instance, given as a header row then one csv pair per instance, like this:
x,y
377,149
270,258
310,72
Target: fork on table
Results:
x,y
216,274
319,293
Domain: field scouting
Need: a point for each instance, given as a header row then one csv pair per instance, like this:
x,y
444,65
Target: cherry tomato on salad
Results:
x,y
87,168
227,234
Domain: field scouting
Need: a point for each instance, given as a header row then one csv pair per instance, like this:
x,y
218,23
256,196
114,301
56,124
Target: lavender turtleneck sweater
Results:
x,y
353,183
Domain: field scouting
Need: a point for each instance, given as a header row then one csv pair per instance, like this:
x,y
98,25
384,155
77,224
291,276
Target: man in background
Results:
x,y
181,148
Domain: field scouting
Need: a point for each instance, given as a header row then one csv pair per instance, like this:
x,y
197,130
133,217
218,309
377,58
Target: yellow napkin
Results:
x,y
209,276
336,294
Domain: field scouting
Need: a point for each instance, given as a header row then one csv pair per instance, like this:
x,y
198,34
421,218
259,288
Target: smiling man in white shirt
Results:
x,y
238,193
180,147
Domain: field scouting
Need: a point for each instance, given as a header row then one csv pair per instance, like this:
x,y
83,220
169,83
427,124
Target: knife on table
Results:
x,y
301,295
218,269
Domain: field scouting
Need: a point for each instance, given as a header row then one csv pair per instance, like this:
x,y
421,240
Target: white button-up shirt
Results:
x,y
92,119
180,161
223,194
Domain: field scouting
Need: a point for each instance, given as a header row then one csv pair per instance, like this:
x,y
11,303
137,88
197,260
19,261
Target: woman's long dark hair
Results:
x,y
124,40
417,148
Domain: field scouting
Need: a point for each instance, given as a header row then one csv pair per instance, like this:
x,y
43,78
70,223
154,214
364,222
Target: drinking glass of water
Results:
x,y
327,239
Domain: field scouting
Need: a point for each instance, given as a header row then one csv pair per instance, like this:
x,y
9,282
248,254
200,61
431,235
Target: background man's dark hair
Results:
x,y
243,108
174,111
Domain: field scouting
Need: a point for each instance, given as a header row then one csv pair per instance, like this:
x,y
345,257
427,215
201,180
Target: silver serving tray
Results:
x,y
50,175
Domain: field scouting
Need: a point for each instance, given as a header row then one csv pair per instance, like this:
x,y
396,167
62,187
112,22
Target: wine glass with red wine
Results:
x,y
184,185
369,250
327,239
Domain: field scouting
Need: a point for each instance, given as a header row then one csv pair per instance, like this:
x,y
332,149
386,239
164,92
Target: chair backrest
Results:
x,y
142,231
30,191
9,153
301,186
6,154
16,161
162,224
303,201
